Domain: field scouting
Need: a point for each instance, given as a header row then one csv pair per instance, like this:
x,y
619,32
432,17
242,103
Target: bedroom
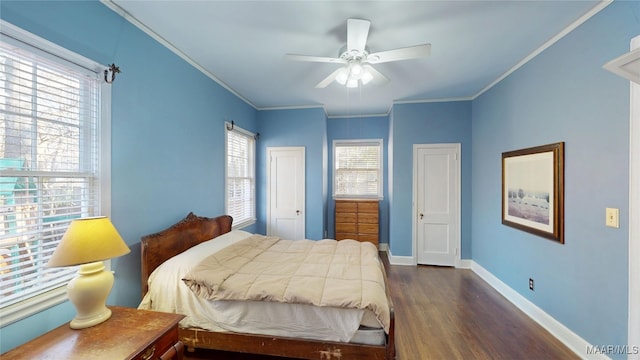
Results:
x,y
582,284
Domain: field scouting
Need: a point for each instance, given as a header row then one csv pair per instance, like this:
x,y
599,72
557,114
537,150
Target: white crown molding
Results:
x,y
596,9
137,23
296,107
120,11
581,20
453,99
356,116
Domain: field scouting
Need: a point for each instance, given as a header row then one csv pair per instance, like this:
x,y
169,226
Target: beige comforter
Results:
x,y
344,273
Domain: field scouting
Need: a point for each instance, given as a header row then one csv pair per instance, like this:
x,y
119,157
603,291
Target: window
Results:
x,y
357,170
50,156
241,154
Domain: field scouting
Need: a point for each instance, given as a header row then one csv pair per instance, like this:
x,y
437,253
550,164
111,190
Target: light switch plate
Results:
x,y
613,218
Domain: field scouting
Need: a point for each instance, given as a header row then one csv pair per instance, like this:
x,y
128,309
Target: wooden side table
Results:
x,y
128,334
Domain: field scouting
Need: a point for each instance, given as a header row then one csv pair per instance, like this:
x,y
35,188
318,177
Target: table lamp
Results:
x,y
87,242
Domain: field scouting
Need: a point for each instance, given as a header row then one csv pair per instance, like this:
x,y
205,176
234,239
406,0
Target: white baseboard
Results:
x,y
401,260
561,332
465,264
411,261
573,341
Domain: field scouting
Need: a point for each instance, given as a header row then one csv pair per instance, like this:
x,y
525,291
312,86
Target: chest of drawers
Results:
x,y
357,220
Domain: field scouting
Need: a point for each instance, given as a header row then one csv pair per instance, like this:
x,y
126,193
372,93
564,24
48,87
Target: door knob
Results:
x,y
421,216
297,212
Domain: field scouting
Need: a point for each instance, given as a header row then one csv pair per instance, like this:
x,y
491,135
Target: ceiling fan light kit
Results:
x,y
353,75
357,60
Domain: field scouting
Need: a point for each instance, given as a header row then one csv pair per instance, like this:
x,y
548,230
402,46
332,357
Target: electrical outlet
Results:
x,y
531,284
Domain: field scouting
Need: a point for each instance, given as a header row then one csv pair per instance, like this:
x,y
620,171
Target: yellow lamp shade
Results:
x,y
88,240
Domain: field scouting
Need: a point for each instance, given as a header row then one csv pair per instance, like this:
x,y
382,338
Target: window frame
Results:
x,y
44,300
359,142
229,128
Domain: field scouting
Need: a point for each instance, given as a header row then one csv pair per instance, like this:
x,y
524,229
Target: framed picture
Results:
x,y
533,190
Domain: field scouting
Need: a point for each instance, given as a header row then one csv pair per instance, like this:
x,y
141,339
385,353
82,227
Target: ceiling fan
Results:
x,y
357,59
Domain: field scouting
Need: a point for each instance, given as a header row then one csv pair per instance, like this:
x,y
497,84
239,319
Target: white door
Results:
x,y
285,196
436,203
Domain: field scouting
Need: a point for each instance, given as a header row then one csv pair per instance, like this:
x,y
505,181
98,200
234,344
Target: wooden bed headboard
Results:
x,y
190,231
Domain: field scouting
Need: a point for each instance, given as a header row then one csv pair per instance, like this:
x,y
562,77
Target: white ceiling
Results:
x,y
241,44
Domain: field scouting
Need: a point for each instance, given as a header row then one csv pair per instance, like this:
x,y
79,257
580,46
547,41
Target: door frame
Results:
x,y
633,326
414,211
270,149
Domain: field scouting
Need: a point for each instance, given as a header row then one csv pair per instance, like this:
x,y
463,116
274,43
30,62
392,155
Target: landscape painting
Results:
x,y
532,190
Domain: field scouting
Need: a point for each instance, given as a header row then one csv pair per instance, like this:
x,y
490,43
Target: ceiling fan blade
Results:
x,y
357,33
378,77
309,58
411,52
328,80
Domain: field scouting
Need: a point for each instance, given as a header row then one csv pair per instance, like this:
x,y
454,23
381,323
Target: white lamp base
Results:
x,y
88,292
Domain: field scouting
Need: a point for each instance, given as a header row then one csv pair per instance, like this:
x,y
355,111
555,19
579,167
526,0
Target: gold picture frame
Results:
x,y
533,190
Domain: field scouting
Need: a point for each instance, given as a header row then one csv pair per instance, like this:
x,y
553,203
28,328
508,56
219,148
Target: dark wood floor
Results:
x,y
446,313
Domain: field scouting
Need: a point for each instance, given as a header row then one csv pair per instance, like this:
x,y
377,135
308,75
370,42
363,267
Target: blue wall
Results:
x,y
426,123
362,128
167,135
168,158
564,95
302,127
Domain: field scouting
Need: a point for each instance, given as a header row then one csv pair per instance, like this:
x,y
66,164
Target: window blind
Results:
x,y
357,169
49,116
240,176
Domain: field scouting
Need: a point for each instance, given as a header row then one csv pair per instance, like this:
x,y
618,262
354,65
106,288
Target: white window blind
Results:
x,y
357,169
49,164
240,193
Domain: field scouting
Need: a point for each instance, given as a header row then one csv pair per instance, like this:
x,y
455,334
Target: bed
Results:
x,y
187,238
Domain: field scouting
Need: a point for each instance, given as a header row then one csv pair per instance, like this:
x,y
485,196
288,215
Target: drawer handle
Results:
x,y
149,353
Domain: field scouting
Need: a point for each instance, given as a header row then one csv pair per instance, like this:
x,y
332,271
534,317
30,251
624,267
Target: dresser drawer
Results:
x,y
349,218
176,352
346,228
368,229
372,238
162,345
368,218
346,207
345,236
368,207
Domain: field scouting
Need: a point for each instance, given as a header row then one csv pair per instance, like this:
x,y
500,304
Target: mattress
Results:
x,y
168,293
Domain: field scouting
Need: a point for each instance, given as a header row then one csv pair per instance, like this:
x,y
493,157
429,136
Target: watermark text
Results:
x,y
613,349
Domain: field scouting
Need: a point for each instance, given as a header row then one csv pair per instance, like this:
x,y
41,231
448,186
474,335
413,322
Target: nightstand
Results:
x,y
128,334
